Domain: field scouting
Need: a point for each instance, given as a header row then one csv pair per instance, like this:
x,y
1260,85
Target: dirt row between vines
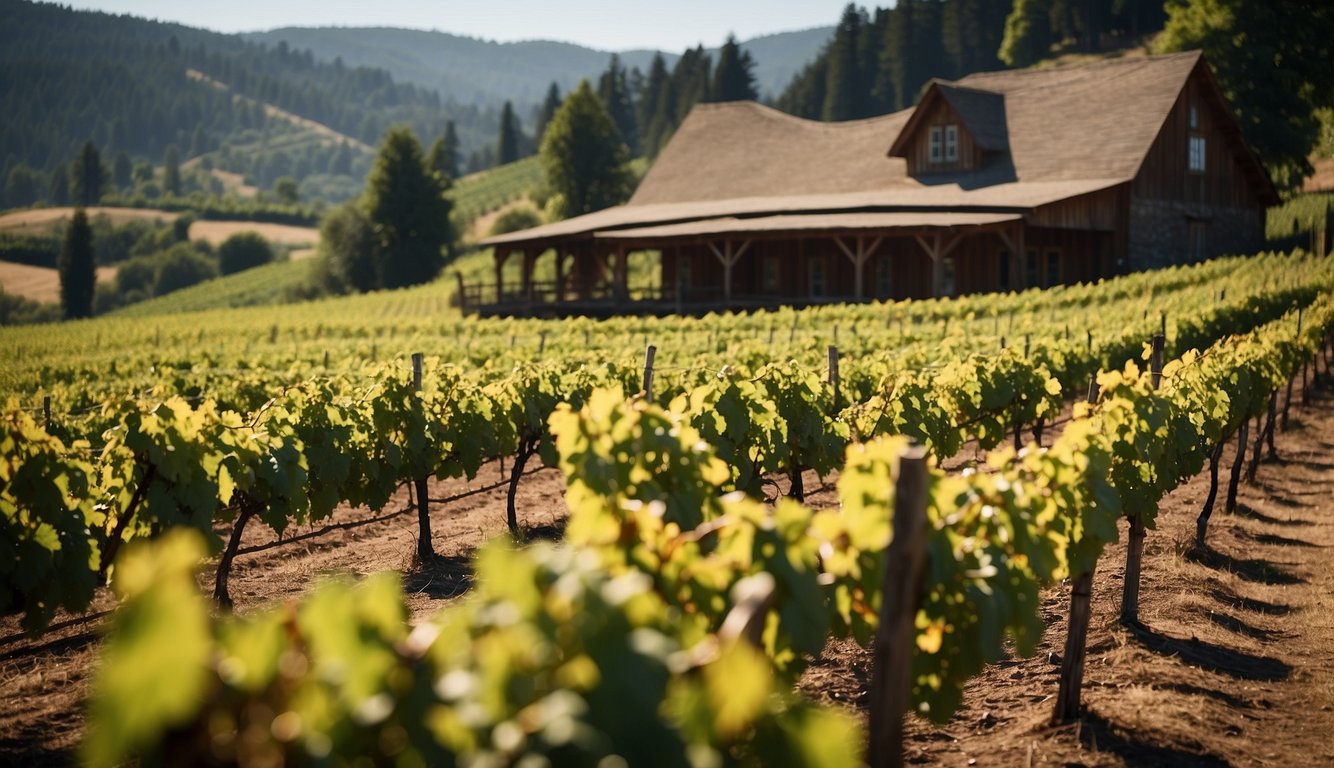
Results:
x,y
1232,667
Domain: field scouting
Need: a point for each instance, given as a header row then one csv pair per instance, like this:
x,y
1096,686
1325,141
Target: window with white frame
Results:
x,y
935,143
1196,160
951,143
817,277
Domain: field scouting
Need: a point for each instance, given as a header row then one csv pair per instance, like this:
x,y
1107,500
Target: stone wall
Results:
x,y
1160,232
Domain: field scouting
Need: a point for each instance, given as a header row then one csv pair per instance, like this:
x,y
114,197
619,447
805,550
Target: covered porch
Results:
x,y
789,260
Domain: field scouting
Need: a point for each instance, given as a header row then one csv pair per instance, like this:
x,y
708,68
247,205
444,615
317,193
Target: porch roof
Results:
x,y
912,199
833,223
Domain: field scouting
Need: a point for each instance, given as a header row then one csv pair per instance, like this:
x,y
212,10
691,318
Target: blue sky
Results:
x,y
670,25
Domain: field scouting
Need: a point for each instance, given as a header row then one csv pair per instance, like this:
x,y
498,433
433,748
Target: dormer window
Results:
x,y
944,143
1195,161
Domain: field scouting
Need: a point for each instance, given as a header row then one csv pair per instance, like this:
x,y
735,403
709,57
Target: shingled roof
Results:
x,y
1070,130
741,149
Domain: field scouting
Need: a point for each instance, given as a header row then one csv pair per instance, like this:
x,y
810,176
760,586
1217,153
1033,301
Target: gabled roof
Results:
x,y
1093,121
981,112
1062,132
742,149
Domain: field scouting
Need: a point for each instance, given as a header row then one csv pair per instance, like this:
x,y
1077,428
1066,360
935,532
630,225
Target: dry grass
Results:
x,y
41,220
215,232
40,283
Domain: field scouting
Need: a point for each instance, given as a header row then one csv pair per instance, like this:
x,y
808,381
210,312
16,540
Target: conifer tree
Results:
x,y
583,156
78,270
615,95
649,105
507,145
547,111
408,213
734,79
843,89
89,178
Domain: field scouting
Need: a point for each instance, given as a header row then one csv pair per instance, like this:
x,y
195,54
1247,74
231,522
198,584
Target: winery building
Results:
x,y
997,181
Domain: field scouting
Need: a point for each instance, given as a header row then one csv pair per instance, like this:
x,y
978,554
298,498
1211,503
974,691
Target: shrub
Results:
x,y
515,219
242,251
181,266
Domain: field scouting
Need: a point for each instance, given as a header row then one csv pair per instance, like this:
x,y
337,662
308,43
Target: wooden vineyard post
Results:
x,y
896,636
1135,544
1076,637
833,376
425,552
649,352
46,412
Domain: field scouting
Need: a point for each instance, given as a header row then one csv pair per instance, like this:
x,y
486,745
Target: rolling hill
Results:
x,y
485,72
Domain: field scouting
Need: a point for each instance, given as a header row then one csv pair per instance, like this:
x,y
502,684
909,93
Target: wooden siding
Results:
x,y
939,113
1165,175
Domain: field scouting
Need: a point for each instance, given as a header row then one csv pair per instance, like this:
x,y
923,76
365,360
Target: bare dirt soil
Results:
x,y
1233,664
40,283
215,232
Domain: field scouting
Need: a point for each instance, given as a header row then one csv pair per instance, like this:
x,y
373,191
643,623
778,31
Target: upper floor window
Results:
x,y
1196,160
944,143
1194,118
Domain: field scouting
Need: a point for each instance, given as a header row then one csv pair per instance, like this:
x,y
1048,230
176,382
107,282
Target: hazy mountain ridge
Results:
x,y
472,70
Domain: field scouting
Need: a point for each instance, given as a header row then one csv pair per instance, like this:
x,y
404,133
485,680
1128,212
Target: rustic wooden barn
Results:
x,y
998,181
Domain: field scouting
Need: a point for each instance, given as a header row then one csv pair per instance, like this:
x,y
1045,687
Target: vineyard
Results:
x,y
982,450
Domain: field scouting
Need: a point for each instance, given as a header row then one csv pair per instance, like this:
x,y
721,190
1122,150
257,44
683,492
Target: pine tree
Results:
x,y
77,267
89,178
734,79
615,95
171,171
843,88
451,150
647,104
548,110
583,156
507,145
408,212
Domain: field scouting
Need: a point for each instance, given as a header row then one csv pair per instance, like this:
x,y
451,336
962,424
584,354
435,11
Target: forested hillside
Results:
x,y
487,73
878,61
125,83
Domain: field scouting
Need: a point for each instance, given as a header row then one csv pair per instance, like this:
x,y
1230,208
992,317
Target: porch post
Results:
x,y
560,274
728,257
500,256
859,259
